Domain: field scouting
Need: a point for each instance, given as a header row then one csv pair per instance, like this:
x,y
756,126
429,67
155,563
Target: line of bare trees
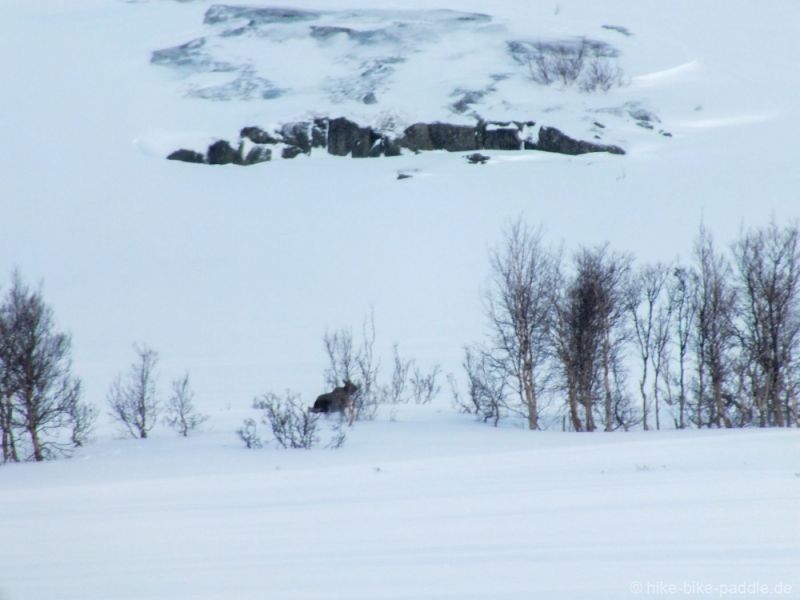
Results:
x,y
711,343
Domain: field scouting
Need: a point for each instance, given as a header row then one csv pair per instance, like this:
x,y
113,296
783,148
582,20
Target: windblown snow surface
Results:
x,y
234,274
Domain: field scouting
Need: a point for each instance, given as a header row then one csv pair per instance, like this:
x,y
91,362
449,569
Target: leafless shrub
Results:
x,y
589,64
82,418
425,385
395,392
486,387
601,75
248,433
182,415
292,425
133,401
356,362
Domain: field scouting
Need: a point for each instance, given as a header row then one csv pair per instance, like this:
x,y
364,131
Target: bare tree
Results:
x,y
39,395
714,333
768,263
589,338
683,309
133,401
520,312
661,355
7,389
181,413
643,304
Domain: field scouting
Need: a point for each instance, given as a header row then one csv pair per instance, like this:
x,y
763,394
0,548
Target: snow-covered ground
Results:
x,y
430,506
235,273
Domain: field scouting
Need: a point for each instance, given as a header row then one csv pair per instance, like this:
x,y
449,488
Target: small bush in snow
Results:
x,y
248,433
132,401
589,64
291,424
182,415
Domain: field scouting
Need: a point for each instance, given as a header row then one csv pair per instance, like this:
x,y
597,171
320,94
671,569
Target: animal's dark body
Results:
x,y
339,400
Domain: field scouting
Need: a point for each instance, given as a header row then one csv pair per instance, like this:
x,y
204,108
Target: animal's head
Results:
x,y
350,387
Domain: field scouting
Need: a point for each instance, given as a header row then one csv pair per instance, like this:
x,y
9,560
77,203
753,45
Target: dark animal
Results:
x,y
339,400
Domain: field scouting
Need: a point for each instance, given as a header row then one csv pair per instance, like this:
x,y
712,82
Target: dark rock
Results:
x,y
454,138
319,133
440,136
666,134
342,135
553,140
369,144
346,137
500,136
221,153
258,136
645,124
325,32
477,158
391,147
189,156
599,124
256,154
370,98
298,134
417,137
404,176
291,152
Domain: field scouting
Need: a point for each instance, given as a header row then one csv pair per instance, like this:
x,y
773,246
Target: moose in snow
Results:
x,y
341,400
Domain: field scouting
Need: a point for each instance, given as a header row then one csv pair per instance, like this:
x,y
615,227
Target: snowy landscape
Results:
x,y
251,281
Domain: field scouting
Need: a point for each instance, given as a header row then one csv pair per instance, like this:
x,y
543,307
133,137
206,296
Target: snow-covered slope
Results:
x,y
430,506
235,273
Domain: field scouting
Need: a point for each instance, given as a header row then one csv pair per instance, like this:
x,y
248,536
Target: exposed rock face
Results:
x,y
221,153
298,135
291,152
319,133
258,136
189,156
342,137
440,136
553,140
257,154
501,136
346,137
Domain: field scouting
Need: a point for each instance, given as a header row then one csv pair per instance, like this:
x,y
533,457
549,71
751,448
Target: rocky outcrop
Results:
x,y
440,136
257,154
503,136
343,137
553,140
221,153
189,156
258,136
